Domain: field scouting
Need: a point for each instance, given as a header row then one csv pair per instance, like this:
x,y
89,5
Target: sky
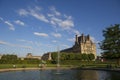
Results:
x,y
40,26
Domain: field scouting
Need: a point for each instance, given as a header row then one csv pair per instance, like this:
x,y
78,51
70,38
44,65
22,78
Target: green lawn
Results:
x,y
67,63
17,65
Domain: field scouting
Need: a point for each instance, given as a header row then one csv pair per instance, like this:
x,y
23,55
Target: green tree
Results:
x,y
91,57
71,56
63,56
84,56
54,57
78,56
111,43
9,58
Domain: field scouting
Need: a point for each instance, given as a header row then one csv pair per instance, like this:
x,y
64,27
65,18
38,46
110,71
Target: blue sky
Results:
x,y
39,26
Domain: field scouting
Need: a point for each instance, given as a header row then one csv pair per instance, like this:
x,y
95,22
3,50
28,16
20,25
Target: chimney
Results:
x,y
88,37
76,39
82,38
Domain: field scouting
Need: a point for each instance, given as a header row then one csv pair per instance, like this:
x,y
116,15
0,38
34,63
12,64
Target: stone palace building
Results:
x,y
83,44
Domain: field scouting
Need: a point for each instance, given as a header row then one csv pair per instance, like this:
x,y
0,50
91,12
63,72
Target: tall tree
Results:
x,y
111,43
91,56
54,56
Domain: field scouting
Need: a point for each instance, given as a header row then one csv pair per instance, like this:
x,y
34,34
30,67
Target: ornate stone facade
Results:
x,y
0,56
29,55
47,56
85,44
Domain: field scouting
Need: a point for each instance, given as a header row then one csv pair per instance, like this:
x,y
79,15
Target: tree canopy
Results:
x,y
73,56
111,43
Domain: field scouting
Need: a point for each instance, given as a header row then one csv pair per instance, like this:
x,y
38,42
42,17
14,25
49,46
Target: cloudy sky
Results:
x,y
39,26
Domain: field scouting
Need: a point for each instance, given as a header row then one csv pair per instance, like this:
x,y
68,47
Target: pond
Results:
x,y
65,75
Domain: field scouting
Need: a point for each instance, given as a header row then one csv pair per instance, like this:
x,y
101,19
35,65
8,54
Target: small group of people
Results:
x,y
14,66
42,64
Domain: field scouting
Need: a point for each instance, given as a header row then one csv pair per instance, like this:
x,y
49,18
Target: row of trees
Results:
x,y
13,59
73,56
8,58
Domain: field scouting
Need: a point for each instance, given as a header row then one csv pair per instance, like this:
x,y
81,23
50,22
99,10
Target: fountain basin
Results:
x,y
64,74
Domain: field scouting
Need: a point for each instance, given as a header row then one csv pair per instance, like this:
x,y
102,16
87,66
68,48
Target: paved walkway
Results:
x,y
18,69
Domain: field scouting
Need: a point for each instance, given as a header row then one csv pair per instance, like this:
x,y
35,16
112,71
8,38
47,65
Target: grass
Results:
x,y
67,63
4,66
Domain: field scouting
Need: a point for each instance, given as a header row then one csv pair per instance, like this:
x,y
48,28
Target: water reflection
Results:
x,y
67,75
97,75
86,75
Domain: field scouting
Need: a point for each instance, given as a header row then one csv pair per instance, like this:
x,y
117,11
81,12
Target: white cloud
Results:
x,y
57,35
41,34
37,44
66,24
26,41
38,16
57,19
23,12
54,17
75,31
26,47
53,22
67,17
71,39
1,19
50,15
11,26
64,45
20,22
34,13
14,45
37,8
94,40
55,12
3,42
48,45
54,41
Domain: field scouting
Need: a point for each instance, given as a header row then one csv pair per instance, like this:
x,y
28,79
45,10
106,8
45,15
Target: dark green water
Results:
x,y
64,75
